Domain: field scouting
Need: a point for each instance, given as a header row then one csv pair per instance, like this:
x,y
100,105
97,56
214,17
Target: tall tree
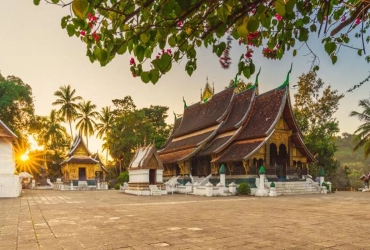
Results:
x,y
16,105
104,125
314,108
160,33
363,131
123,106
67,100
52,135
86,119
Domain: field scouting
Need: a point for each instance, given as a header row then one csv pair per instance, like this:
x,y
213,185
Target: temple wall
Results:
x,y
140,176
7,163
70,171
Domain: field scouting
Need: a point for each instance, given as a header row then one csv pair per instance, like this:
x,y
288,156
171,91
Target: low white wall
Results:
x,y
10,185
139,176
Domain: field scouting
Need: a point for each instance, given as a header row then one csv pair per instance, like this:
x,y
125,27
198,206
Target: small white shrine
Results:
x,y
10,185
146,173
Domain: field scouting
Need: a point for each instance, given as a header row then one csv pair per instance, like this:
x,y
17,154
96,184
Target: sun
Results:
x,y
24,157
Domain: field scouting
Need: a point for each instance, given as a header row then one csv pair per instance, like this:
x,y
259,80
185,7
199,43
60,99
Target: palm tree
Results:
x,y
363,131
104,126
67,100
53,130
85,117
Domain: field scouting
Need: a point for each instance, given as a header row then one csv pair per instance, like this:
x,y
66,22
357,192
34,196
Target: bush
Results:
x,y
324,184
117,186
244,189
123,177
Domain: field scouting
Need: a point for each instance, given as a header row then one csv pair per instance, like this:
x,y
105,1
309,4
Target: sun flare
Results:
x,y
24,157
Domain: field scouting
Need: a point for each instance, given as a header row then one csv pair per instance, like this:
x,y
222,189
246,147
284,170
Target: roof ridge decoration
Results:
x,y
286,83
255,85
185,106
207,93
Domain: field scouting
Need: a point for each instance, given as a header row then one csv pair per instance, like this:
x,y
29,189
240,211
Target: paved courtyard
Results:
x,y
43,219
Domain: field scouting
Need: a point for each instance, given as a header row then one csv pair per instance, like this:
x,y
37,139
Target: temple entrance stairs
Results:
x,y
297,187
154,190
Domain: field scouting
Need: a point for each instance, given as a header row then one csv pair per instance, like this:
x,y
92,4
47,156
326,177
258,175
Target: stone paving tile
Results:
x,y
112,220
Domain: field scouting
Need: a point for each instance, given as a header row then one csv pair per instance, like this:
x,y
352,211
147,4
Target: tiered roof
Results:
x,y
232,125
6,132
146,158
79,153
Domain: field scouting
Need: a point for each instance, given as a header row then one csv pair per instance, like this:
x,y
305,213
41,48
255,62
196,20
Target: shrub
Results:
x,y
123,177
117,186
324,184
244,189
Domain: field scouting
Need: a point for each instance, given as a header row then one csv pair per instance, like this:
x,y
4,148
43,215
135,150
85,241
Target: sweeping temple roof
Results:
x,y
232,125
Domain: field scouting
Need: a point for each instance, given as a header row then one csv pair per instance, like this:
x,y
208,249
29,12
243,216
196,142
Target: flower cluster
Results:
x,y
357,21
278,17
132,61
251,38
225,59
92,22
248,55
268,53
168,51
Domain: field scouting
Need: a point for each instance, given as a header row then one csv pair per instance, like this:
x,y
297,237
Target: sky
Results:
x,y
34,47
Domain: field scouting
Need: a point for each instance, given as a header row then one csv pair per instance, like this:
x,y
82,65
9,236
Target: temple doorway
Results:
x,y
82,174
152,177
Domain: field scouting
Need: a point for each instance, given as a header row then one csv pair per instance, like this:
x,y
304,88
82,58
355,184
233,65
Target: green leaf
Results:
x,y
334,58
253,25
242,31
289,7
70,29
100,54
140,52
280,7
64,21
313,28
145,77
316,68
247,72
154,76
55,1
36,2
359,52
122,49
80,8
294,52
330,47
172,41
144,38
165,63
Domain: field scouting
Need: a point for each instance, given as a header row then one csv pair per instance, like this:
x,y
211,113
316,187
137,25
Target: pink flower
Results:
x,y
132,61
82,33
343,18
169,51
278,17
133,74
357,21
180,23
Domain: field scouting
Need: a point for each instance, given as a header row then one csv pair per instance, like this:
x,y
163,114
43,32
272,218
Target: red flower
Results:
x,y
96,37
278,17
180,23
82,33
169,51
133,74
357,21
132,61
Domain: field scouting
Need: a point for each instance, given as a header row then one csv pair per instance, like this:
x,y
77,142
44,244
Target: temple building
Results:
x,y
81,166
242,130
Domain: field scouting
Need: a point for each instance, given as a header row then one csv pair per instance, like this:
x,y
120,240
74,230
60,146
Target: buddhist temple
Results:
x,y
145,171
243,130
80,166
